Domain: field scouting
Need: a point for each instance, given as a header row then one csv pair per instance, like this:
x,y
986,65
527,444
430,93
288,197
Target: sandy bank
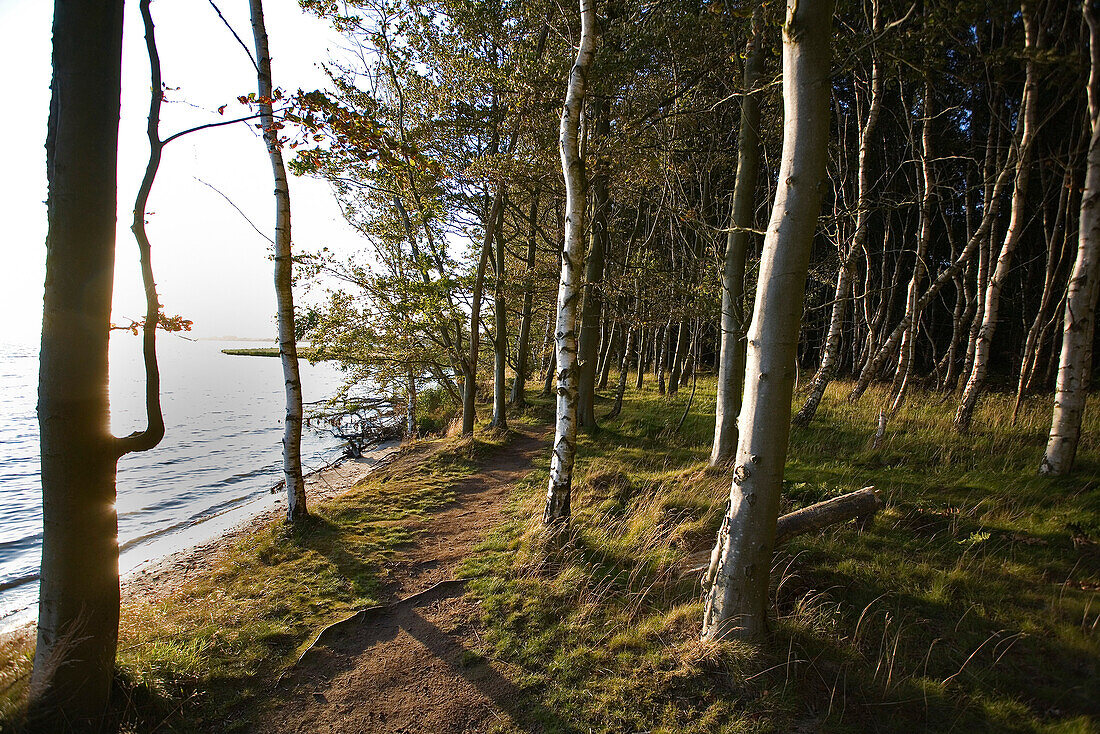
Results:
x,y
196,548
164,575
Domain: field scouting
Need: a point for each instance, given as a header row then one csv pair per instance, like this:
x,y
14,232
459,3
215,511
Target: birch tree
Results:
x,y
563,453
731,362
831,353
1017,219
736,601
1075,363
284,292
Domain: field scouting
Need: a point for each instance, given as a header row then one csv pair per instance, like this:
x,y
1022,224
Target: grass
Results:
x,y
199,659
969,605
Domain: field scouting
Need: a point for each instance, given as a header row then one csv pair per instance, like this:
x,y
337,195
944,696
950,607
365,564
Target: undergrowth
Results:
x,y
970,604
201,657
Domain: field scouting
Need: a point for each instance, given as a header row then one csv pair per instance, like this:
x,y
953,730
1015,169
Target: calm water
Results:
x,y
218,461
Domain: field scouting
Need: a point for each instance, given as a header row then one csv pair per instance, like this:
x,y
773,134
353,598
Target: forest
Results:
x,y
740,350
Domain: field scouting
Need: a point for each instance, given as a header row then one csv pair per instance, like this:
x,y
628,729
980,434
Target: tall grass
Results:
x,y
969,605
203,656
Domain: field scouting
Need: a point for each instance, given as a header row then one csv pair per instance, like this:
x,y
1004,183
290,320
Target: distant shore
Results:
x,y
303,352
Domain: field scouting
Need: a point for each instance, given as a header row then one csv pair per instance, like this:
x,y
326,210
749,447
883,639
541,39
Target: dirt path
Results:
x,y
408,667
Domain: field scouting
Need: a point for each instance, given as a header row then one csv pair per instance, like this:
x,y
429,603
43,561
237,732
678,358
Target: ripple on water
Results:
x,y
221,450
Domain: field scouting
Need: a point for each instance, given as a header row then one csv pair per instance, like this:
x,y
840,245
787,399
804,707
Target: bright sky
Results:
x,y
210,265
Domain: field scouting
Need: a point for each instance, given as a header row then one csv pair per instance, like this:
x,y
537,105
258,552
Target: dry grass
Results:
x,y
967,606
197,659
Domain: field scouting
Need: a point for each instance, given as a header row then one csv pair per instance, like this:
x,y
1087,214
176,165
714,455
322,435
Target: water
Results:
x,y
220,456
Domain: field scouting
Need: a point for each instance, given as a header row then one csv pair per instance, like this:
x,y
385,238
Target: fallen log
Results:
x,y
858,505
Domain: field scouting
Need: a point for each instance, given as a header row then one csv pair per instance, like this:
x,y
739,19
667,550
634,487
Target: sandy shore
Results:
x,y
162,576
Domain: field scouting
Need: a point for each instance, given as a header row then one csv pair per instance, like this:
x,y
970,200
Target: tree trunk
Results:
x,y
982,282
830,355
469,361
79,590
500,338
1028,118
1053,261
551,368
620,389
608,352
284,279
924,236
878,358
736,604
154,432
693,352
572,261
1075,365
947,369
518,398
589,344
860,506
683,342
410,395
662,355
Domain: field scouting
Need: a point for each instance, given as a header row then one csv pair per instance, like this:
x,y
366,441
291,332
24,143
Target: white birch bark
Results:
x,y
1017,219
572,265
924,236
731,360
1056,249
620,388
284,294
736,603
982,278
876,360
662,355
830,358
1075,363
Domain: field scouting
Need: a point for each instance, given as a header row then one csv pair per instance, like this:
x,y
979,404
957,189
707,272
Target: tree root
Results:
x,y
363,615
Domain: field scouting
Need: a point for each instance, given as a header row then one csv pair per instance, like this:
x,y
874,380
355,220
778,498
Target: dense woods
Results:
x,y
896,200
942,257
956,162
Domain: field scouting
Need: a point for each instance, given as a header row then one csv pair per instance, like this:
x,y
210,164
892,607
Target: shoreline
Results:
x,y
164,573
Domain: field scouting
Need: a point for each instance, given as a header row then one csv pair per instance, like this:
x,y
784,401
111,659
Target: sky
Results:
x,y
210,265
